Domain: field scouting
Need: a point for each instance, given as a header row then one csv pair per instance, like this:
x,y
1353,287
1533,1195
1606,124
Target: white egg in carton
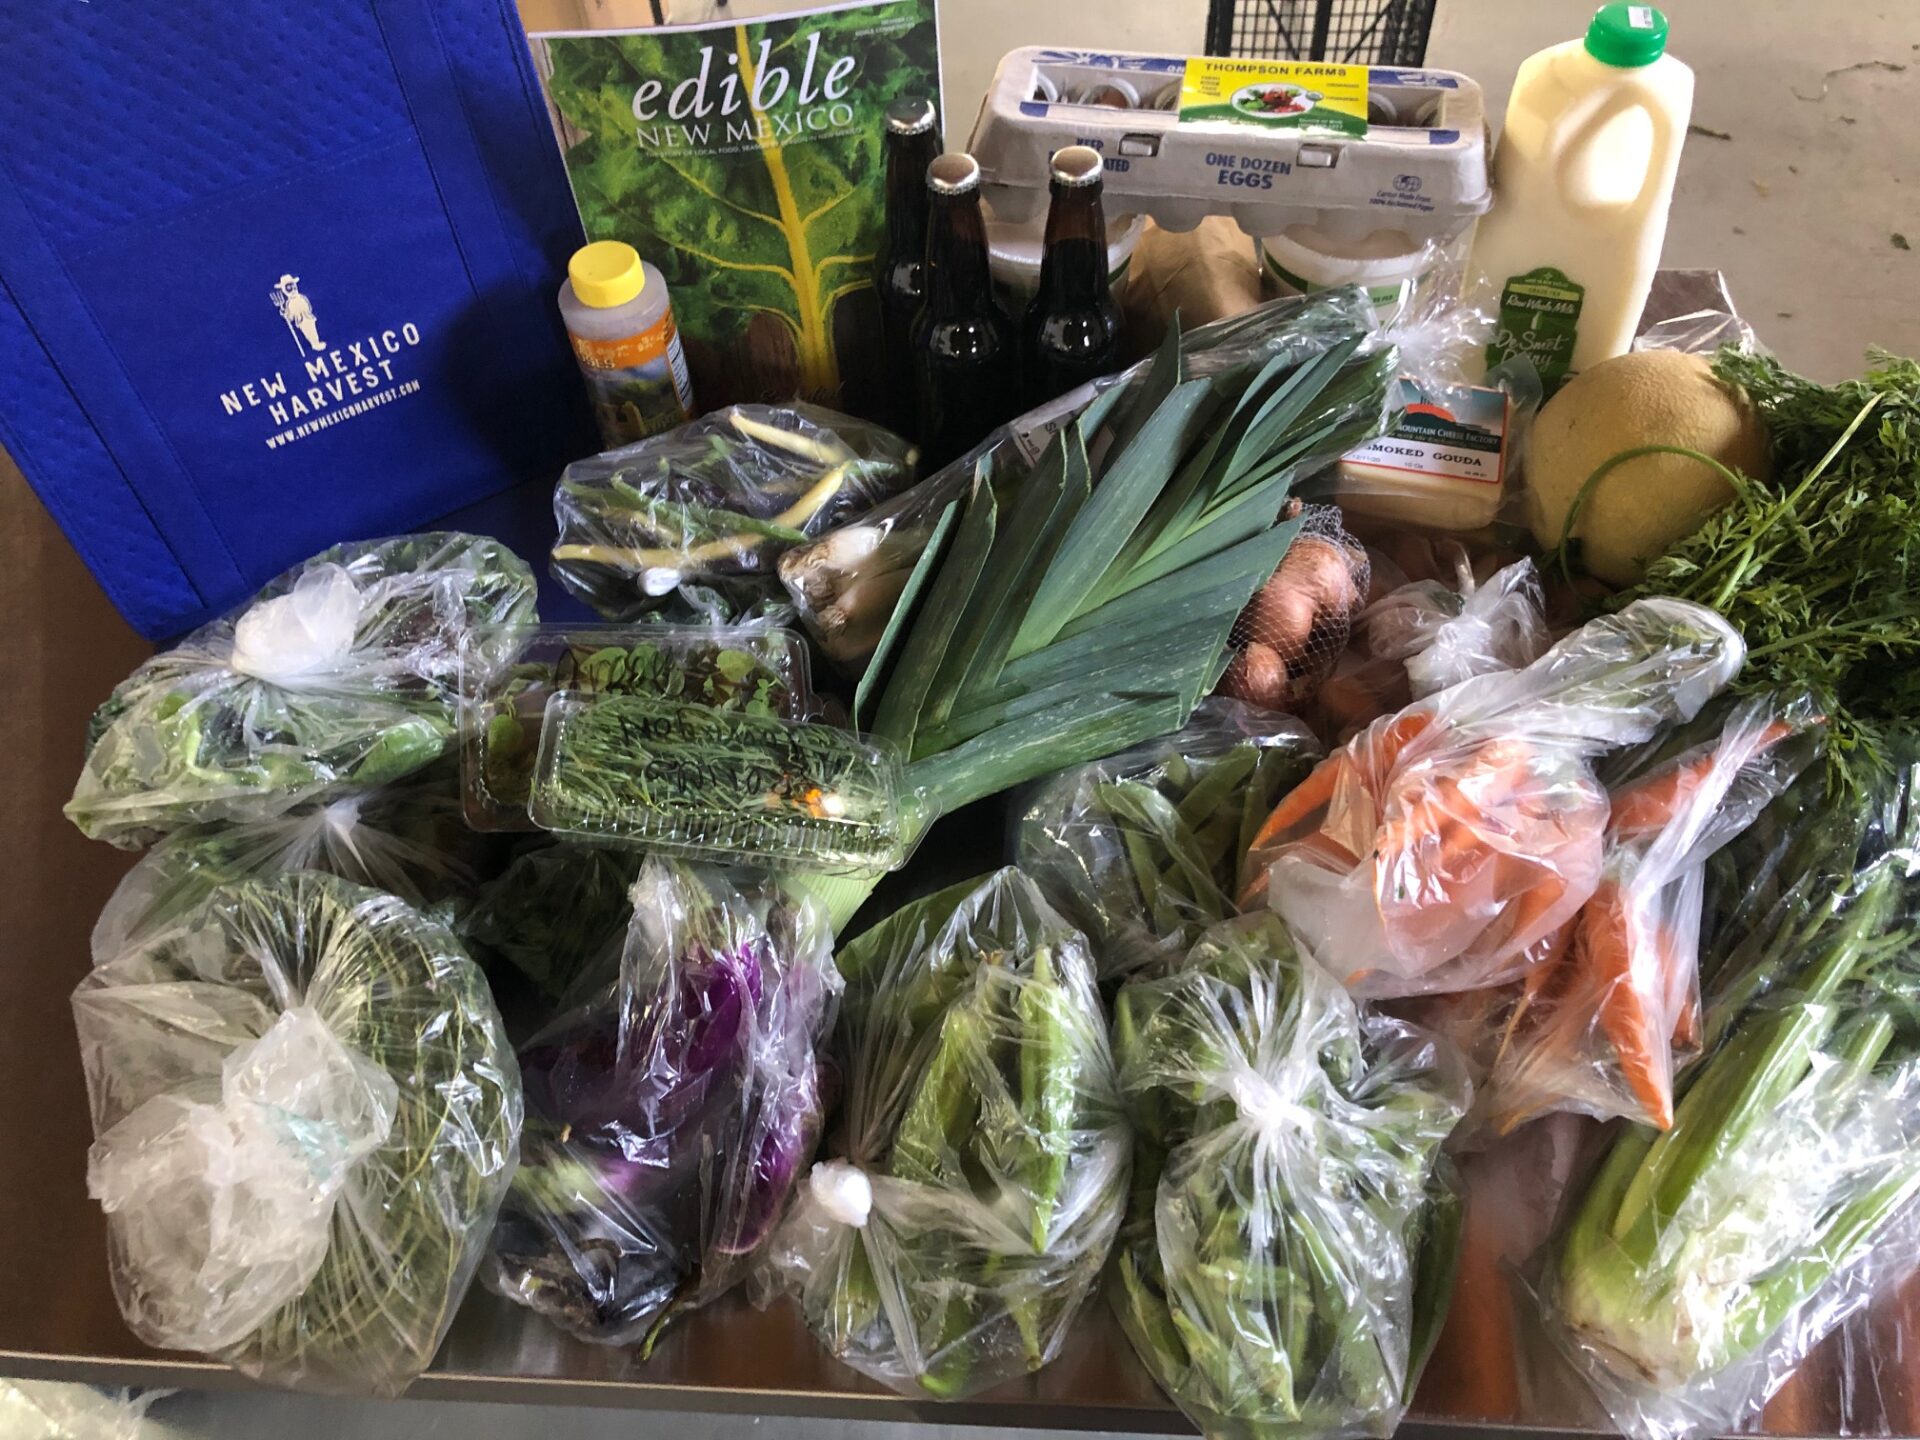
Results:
x,y
1420,167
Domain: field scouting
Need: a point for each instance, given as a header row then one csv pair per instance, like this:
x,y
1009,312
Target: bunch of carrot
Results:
x,y
1444,848
1600,1023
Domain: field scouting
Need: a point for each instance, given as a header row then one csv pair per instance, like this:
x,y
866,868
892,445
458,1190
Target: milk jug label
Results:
x,y
1539,318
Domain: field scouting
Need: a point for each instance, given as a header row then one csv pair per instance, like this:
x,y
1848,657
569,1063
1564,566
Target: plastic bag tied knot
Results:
x,y
842,1191
222,1210
303,637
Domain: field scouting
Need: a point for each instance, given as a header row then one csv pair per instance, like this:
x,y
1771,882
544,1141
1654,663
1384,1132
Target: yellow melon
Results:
x,y
1640,507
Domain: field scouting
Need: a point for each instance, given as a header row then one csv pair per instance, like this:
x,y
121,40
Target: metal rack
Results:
x,y
1357,32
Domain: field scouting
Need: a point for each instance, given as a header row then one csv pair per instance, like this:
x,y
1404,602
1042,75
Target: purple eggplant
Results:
x,y
669,1120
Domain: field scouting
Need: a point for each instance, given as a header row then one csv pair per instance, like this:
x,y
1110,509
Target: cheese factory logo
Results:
x,y
332,383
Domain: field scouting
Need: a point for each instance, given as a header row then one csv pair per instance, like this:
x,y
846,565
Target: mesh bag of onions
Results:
x,y
1290,636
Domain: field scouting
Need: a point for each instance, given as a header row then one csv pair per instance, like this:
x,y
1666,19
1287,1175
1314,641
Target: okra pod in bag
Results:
x,y
1140,849
981,1159
1288,1248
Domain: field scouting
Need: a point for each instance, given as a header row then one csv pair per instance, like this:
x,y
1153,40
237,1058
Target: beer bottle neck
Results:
x,y
907,159
959,281
1073,269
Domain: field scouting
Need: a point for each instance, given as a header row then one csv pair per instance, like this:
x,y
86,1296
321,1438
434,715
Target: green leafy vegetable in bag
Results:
x,y
983,1153
714,504
342,674
306,1114
1286,1256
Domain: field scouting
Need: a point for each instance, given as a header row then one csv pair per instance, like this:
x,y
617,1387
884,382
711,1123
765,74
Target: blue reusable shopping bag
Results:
x,y
273,276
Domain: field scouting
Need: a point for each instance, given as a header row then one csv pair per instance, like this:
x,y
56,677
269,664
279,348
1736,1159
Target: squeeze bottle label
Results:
x,y
638,383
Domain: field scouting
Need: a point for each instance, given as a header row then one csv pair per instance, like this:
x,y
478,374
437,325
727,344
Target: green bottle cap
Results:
x,y
1627,35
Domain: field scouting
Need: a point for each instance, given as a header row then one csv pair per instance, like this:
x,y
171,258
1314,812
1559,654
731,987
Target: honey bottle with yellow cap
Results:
x,y
620,318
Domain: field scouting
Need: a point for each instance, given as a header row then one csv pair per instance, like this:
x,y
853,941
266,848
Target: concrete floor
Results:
x,y
1811,173
1813,169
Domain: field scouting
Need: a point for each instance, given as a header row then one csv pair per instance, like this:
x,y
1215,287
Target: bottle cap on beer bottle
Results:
x,y
954,173
912,116
1076,165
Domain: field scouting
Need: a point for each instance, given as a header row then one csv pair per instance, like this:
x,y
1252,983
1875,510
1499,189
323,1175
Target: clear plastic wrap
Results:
x,y
46,1410
1288,1249
669,1118
343,672
305,1114
1292,633
759,670
720,785
846,583
1439,847
556,913
983,1151
1696,1268
405,841
1141,850
1602,1024
712,505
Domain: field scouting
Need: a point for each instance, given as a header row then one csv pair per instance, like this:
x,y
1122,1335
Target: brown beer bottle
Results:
x,y
911,143
966,356
1071,331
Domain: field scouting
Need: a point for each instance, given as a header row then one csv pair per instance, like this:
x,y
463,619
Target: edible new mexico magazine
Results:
x,y
744,159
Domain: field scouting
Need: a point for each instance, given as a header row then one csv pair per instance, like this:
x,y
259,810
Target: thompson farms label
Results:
x,y
745,161
1290,95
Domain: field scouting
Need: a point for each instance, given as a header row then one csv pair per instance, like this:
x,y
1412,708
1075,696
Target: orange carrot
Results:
x,y
1301,801
1649,804
1605,947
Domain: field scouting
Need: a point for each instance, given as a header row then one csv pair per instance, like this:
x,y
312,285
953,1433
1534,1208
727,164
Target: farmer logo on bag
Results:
x,y
333,382
744,160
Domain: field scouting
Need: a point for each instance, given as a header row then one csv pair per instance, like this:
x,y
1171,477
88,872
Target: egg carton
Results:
x,y
1420,166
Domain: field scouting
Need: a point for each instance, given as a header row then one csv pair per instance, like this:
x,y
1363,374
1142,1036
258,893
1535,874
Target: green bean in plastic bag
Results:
x,y
1288,1249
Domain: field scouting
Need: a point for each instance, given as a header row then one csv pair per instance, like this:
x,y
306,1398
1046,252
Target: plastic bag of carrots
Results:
x,y
1443,848
1602,1023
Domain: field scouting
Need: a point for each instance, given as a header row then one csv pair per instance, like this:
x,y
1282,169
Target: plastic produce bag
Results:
x,y
404,841
343,672
305,1115
1140,850
669,1117
712,505
1439,847
1600,1026
556,913
1428,635
983,1151
46,1410
845,584
1289,1247
1696,1268
1290,636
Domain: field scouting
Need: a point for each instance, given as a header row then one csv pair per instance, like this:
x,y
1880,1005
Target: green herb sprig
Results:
x,y
1819,570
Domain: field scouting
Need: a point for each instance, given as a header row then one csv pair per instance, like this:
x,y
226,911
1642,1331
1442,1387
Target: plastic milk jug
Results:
x,y
1582,178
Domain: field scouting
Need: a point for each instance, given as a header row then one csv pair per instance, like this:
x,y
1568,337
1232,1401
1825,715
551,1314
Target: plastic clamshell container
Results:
x,y
719,785
1420,167
508,674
